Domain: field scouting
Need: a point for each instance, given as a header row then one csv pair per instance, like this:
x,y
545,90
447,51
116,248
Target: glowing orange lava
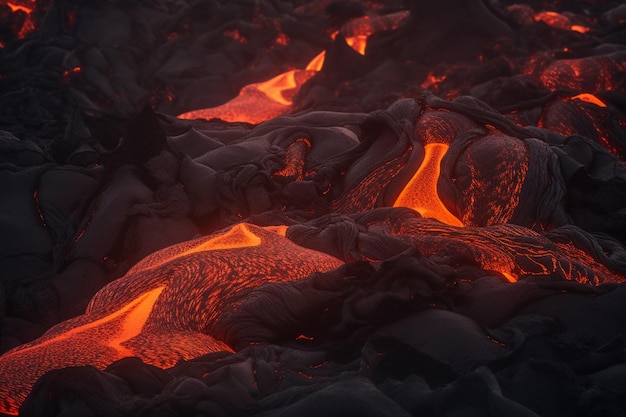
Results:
x,y
259,101
164,309
496,173
239,236
432,80
317,63
589,98
262,101
99,342
513,252
18,7
358,43
559,21
275,88
509,277
583,74
24,6
579,28
420,193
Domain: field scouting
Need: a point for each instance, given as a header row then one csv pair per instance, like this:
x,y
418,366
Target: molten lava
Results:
x,y
96,341
262,101
465,182
19,7
420,193
589,98
258,102
26,7
165,308
512,251
584,74
559,21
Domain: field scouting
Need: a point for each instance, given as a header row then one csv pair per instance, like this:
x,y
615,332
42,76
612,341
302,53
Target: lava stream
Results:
x,y
164,309
420,193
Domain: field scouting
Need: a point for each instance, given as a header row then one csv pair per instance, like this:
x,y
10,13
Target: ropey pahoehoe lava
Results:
x,y
320,207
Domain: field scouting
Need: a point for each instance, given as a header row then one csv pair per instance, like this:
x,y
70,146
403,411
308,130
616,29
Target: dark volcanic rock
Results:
x,y
403,315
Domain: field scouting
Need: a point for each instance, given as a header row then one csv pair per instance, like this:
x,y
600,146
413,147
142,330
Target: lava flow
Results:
x,y
19,7
511,251
559,21
262,101
165,309
431,204
23,10
421,194
265,100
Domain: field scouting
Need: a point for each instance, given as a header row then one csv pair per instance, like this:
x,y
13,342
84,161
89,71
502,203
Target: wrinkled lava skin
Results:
x,y
369,247
165,309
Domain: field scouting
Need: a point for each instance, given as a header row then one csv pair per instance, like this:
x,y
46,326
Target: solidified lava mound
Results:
x,y
264,208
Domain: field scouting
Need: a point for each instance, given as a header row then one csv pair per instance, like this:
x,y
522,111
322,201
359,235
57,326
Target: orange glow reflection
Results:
x,y
421,194
164,309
